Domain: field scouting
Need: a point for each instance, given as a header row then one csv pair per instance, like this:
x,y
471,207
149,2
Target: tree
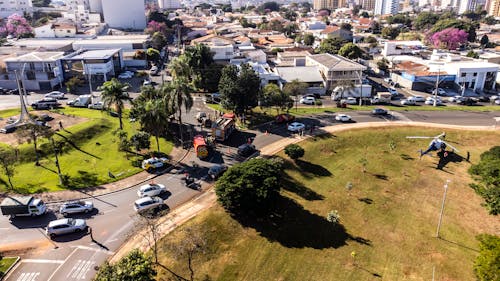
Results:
x,y
31,132
487,176
16,26
344,85
154,118
140,140
134,266
390,32
375,27
400,19
467,26
295,89
484,40
204,71
8,160
154,26
158,40
269,6
486,265
73,83
489,20
450,38
355,9
153,55
331,45
274,96
239,89
250,186
114,94
383,64
346,26
365,14
308,39
290,15
472,54
193,240
294,151
351,51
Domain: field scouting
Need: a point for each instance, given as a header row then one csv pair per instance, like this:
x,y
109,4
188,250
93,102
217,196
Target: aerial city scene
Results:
x,y
266,140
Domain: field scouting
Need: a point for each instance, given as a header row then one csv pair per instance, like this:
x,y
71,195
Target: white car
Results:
x,y
296,127
151,189
388,80
55,95
408,101
350,100
74,207
343,117
393,91
497,102
64,226
154,163
494,98
96,105
440,92
308,100
418,98
431,102
125,75
455,98
146,203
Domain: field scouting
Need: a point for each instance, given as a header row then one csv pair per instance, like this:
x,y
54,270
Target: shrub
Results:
x,y
487,174
486,265
318,102
294,151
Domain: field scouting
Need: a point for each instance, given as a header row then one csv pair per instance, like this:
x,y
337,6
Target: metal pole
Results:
x,y
436,89
442,207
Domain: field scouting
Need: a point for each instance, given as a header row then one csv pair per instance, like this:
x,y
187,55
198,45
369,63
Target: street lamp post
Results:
x,y
442,207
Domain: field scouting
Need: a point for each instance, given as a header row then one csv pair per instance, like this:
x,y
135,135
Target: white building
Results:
x,y
125,14
386,7
169,4
221,47
95,6
9,7
336,68
467,5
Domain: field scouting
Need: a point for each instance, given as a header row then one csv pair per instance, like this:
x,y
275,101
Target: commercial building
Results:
x,y
124,14
169,4
328,4
100,65
494,8
9,7
468,5
386,7
336,68
368,5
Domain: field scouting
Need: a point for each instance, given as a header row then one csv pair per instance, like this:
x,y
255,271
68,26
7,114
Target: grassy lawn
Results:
x,y
88,164
388,218
9,112
5,263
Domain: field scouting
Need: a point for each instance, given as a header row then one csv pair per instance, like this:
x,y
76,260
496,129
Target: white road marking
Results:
x,y
80,269
57,269
41,261
30,276
95,249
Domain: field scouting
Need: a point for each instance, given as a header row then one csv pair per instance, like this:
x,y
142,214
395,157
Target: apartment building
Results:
x,y
9,7
124,14
386,7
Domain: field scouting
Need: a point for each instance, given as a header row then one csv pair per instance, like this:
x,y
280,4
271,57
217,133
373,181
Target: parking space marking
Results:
x,y
28,276
95,249
80,269
41,261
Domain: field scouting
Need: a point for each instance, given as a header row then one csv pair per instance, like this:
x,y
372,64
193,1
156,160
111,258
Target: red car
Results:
x,y
284,118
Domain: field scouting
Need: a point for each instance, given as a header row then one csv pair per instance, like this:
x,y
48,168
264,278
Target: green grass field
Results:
x,y
5,263
97,154
388,218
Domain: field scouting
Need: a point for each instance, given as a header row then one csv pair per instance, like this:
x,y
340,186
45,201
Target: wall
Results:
x,y
128,14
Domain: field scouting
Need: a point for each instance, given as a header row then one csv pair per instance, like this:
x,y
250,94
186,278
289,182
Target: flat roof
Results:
x,y
37,57
94,54
336,62
301,73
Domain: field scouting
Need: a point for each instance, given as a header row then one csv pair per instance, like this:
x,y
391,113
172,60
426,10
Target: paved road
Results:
x,y
74,257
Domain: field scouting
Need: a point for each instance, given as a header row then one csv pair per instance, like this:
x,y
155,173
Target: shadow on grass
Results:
x,y
83,179
29,189
311,169
366,200
47,168
381,177
289,224
301,190
458,244
444,160
406,157
67,140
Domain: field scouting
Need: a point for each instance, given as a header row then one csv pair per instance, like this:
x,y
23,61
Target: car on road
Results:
x,y
147,203
55,95
65,226
200,115
408,101
350,100
96,105
246,149
497,102
296,127
343,117
284,118
440,92
379,111
74,207
154,163
151,189
418,98
217,170
466,101
45,103
455,98
393,92
307,100
388,80
125,75
430,101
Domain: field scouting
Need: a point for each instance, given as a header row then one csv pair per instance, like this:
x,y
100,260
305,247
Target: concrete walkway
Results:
x,y
207,199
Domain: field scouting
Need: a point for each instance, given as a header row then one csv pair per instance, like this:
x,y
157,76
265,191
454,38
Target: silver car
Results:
x,y
146,203
151,189
74,207
64,226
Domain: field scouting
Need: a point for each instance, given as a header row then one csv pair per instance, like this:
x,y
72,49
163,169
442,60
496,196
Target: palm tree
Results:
x,y
154,118
114,94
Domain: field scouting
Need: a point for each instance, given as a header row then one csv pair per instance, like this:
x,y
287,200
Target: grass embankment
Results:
x,y
87,163
388,218
5,263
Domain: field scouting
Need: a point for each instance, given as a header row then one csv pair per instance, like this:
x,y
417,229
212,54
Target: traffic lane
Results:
x,y
467,118
34,270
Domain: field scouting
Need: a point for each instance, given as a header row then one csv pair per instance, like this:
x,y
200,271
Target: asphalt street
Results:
x,y
75,256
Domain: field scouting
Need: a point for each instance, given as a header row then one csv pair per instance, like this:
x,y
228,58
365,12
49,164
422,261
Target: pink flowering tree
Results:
x,y
154,26
450,38
16,26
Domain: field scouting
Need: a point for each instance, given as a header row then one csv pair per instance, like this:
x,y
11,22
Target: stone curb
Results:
x,y
6,274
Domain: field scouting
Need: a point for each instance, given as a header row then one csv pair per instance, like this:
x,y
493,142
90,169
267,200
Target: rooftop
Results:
x,y
94,54
301,73
37,57
336,62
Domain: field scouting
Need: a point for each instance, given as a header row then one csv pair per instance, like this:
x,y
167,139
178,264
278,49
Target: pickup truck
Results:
x,y
22,206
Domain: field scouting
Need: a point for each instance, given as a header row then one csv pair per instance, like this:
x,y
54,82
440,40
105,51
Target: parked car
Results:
x,y
13,91
440,92
55,95
379,111
494,98
64,226
408,101
200,115
216,170
418,98
393,91
307,100
246,149
431,101
315,95
74,207
388,80
296,127
284,118
466,101
151,189
147,203
46,103
343,117
96,105
497,102
154,163
125,75
350,100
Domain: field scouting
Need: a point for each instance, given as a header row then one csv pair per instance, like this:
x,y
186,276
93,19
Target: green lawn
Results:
x,y
388,218
9,112
5,263
89,165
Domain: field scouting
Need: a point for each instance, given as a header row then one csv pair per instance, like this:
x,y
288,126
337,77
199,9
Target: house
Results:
x,y
401,47
257,56
335,68
222,47
36,70
292,58
335,31
100,65
306,74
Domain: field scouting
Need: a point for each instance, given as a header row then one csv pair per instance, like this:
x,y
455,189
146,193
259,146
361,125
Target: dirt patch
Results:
x,y
66,121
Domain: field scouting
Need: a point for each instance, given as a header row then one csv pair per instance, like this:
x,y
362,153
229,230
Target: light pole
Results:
x,y
442,207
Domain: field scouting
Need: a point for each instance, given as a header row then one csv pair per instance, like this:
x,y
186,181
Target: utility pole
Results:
x,y
57,161
436,88
442,207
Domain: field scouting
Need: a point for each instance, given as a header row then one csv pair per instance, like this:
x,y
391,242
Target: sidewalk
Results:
x,y
176,156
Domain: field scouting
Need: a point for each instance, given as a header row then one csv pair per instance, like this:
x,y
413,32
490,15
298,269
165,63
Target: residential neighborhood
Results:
x,y
249,140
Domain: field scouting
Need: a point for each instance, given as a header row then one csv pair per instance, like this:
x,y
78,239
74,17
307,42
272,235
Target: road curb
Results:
x,y
6,274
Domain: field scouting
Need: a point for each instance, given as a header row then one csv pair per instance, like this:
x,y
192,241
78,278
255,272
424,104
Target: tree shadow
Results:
x,y
47,168
289,184
83,179
30,188
67,140
451,156
311,169
289,224
406,157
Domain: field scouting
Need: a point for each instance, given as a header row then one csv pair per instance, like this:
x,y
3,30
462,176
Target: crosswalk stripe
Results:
x,y
28,276
41,261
